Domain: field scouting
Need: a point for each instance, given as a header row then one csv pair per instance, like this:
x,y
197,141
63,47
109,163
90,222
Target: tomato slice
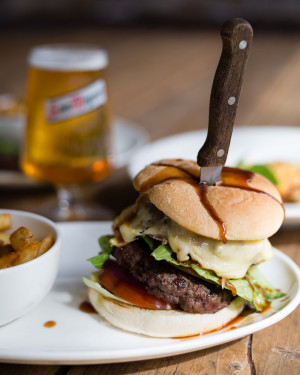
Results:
x,y
134,294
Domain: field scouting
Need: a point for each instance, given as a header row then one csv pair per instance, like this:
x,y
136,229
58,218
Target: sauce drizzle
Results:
x,y
240,178
172,172
229,286
230,177
87,308
237,322
50,324
202,188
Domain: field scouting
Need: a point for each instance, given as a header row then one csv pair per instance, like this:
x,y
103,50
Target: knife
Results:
x,y
236,37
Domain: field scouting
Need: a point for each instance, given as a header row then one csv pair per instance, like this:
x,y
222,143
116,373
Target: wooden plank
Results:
x,y
277,103
231,358
162,79
276,349
12,369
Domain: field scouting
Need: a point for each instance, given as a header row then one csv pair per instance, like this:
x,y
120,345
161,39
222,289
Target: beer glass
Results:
x,y
67,138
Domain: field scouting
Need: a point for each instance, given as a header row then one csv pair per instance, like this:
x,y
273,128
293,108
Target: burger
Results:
x,y
182,260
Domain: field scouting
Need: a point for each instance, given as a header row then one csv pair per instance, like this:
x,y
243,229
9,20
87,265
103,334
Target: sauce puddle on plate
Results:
x,y
87,308
50,324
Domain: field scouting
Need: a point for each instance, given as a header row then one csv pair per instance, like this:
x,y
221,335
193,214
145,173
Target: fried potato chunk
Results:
x,y
288,177
4,239
46,244
8,256
4,221
20,246
28,253
21,238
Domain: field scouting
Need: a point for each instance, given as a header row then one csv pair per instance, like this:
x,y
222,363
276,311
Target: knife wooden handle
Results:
x,y
237,37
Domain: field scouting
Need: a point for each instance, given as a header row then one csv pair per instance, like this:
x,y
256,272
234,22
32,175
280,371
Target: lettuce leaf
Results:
x,y
8,148
106,249
93,283
253,288
149,241
259,280
251,291
164,252
261,169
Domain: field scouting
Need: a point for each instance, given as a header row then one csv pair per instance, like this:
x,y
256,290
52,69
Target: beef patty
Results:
x,y
189,292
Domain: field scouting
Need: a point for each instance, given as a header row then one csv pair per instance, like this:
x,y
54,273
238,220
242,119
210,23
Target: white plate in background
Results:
x,y
81,338
253,144
127,139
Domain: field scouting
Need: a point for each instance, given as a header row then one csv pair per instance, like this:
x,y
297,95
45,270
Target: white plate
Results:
x,y
81,338
254,144
127,139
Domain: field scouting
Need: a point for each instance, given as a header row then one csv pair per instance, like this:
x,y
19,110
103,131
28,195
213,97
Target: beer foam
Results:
x,y
68,57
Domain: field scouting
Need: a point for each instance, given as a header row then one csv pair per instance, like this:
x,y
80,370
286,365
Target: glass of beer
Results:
x,y
67,139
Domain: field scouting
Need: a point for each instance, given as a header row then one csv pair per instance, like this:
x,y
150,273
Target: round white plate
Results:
x,y
253,144
127,139
81,338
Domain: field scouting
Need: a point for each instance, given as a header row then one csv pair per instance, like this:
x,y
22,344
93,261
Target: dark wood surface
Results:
x,y
161,79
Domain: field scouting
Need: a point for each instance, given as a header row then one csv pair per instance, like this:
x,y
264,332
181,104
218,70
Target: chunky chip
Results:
x,y
20,246
21,238
4,221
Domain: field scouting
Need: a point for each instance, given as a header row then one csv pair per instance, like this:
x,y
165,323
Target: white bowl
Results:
x,y
22,287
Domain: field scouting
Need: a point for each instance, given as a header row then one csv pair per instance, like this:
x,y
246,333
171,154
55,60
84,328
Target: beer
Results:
x,y
67,136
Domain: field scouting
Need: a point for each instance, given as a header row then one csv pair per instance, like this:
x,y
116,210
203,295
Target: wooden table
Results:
x,y
161,79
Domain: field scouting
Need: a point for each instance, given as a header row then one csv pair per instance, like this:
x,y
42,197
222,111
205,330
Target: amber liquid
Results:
x,y
74,150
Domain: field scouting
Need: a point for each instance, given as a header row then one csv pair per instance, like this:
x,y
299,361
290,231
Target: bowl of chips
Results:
x,y
30,247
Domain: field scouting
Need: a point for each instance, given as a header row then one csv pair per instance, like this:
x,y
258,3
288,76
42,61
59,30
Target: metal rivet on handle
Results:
x,y
231,100
243,44
220,153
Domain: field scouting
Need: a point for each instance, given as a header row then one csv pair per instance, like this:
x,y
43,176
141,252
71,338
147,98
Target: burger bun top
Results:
x,y
245,214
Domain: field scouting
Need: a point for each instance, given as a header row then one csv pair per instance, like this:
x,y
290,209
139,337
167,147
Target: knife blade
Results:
x,y
236,38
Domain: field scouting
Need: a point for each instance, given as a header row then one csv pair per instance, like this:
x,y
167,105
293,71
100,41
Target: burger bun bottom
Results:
x,y
162,323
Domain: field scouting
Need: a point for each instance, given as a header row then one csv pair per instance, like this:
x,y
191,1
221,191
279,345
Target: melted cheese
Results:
x,y
231,260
